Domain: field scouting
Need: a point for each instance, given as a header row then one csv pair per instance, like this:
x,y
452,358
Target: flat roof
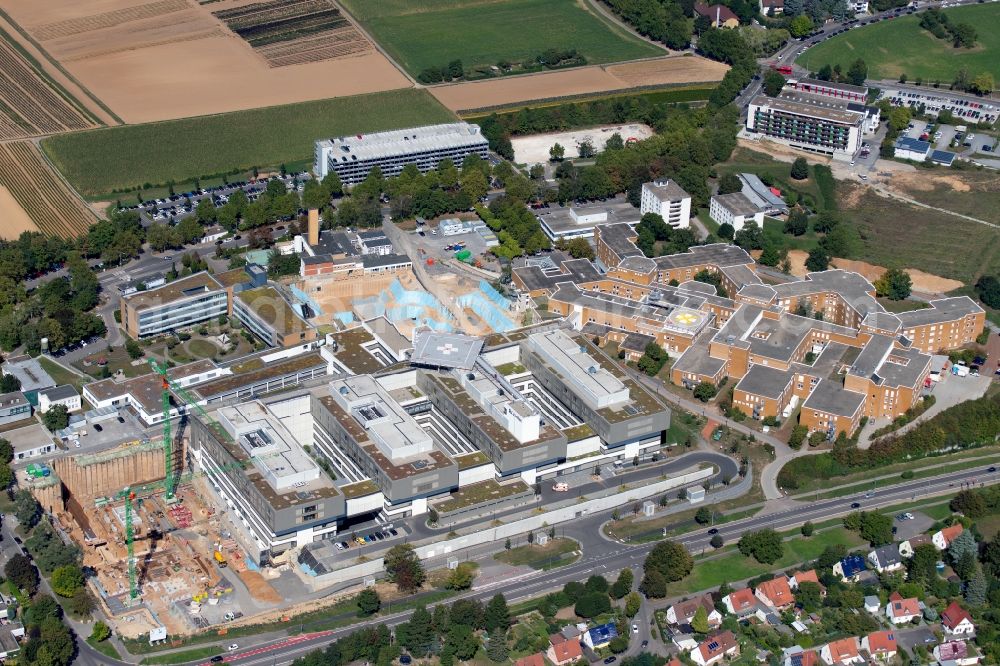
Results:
x,y
913,145
232,277
872,356
334,242
445,350
191,286
147,389
941,310
736,203
388,335
29,371
779,338
379,260
853,287
618,236
666,190
810,106
563,269
942,156
61,392
715,254
903,367
861,90
560,220
252,373
270,306
389,426
393,143
831,397
592,382
675,318
764,381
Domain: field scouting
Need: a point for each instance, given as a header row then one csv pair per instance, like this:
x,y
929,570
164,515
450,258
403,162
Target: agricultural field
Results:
x,y
681,72
30,193
150,60
290,32
483,33
99,162
901,46
31,103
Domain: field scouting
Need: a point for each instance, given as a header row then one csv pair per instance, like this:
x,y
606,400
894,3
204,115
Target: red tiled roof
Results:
x,y
844,649
531,660
950,533
713,646
742,599
724,13
901,607
567,650
777,591
806,577
953,615
881,642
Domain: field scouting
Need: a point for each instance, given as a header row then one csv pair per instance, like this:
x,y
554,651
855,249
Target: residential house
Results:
x,y
907,547
720,15
955,652
531,660
873,604
674,662
943,538
796,656
800,577
741,602
900,610
683,611
850,567
881,645
563,650
600,635
716,648
65,394
772,7
957,621
886,558
775,593
844,651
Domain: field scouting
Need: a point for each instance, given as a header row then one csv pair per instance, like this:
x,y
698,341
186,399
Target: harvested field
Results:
x,y
289,32
580,81
169,59
15,220
123,158
30,102
39,193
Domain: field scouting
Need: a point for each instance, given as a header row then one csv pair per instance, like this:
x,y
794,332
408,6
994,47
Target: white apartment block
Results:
x,y
352,157
734,209
668,200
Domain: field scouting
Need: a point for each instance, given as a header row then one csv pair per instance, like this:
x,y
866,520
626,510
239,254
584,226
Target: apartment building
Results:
x,y
353,157
175,305
668,200
734,209
808,122
266,314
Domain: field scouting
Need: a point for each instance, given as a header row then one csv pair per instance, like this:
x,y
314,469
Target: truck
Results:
x,y
220,559
960,370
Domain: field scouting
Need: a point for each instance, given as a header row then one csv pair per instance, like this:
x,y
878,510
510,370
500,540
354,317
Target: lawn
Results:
x,y
60,375
926,240
751,161
432,34
184,656
901,46
734,566
202,348
556,553
115,360
105,648
125,158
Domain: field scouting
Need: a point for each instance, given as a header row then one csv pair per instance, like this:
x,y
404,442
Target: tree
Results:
x,y
857,73
894,284
726,231
988,289
633,602
797,436
670,559
66,580
56,417
807,528
922,567
133,348
818,260
653,359
536,171
100,632
497,649
497,615
750,236
20,571
653,585
977,588
585,149
963,544
764,545
700,621
27,510
461,577
597,583
579,248
809,595
9,383
773,83
417,635
800,169
800,26
622,584
983,84
705,391
969,503
368,602
797,223
716,541
618,644
703,515
876,528
404,568
730,183
556,153
592,604
770,256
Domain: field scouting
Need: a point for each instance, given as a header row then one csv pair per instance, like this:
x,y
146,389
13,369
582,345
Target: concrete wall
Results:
x,y
107,478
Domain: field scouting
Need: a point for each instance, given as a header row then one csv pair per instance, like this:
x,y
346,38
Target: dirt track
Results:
x,y
582,81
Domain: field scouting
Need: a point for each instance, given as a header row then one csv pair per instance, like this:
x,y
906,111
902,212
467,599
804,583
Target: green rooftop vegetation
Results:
x,y
471,460
477,493
359,489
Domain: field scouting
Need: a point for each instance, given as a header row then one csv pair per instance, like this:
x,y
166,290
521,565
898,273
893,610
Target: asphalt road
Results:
x,y
614,556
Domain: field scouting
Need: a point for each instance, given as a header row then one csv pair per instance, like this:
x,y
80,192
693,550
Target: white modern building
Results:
x,y
811,122
65,395
668,200
352,157
734,209
908,148
178,304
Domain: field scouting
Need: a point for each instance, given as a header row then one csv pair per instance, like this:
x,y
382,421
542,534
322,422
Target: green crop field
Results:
x,y
901,46
479,32
125,158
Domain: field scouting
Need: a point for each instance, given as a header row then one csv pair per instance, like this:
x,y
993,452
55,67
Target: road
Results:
x,y
613,556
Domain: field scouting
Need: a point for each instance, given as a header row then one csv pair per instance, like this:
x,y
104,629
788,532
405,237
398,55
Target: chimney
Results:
x,y
718,16
313,227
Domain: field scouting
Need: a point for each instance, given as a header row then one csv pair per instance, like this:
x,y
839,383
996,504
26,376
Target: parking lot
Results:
x,y
966,109
948,137
433,243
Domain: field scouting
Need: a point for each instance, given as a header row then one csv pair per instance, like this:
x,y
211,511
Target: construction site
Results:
x,y
163,557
